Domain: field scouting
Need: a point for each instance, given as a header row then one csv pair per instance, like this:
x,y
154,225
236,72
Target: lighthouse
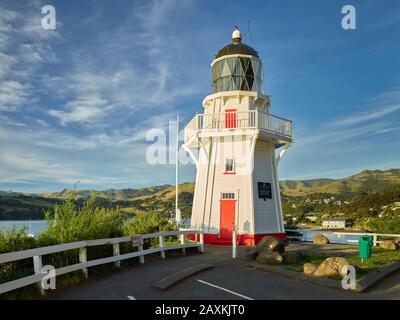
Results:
x,y
236,145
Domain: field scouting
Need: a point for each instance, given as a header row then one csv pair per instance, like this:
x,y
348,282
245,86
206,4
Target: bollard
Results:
x,y
234,244
201,247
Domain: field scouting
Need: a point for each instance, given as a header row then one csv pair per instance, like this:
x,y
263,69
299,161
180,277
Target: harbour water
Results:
x,y
34,226
309,234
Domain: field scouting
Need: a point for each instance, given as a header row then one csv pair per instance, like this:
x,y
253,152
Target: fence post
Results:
x,y
116,252
140,248
234,244
161,238
182,236
201,247
37,266
375,240
83,259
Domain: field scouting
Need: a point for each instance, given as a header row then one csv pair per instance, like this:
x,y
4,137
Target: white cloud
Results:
x,y
12,95
366,116
116,81
23,49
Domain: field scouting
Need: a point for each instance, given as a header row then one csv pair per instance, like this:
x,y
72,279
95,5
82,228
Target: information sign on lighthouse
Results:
x,y
236,145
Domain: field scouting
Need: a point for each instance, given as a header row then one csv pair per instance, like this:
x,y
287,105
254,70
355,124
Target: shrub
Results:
x,y
70,223
379,225
150,222
15,240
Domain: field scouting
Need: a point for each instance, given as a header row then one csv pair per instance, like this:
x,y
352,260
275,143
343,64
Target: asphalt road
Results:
x,y
228,280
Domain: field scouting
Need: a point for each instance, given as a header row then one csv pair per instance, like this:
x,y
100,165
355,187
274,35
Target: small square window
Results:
x,y
228,195
229,166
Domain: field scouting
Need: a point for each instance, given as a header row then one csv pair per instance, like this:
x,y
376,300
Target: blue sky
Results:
x,y
76,102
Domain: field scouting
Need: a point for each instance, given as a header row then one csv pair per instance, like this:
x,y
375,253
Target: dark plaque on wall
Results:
x,y
264,190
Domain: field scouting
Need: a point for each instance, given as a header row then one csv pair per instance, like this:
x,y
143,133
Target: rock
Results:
x,y
332,267
292,256
285,242
270,244
321,239
269,257
309,268
250,253
388,244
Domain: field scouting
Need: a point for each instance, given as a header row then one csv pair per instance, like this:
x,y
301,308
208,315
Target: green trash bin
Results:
x,y
365,245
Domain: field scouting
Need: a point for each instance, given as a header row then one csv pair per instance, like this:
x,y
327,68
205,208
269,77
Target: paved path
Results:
x,y
229,279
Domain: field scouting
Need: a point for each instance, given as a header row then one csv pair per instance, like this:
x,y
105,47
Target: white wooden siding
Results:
x,y
266,212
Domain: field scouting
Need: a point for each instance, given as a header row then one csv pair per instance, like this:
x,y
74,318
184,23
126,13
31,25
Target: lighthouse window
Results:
x,y
228,195
229,166
237,73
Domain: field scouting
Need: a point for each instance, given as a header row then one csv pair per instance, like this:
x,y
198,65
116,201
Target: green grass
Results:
x,y
379,258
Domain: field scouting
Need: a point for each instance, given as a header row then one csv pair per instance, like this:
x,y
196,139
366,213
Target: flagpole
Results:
x,y
177,214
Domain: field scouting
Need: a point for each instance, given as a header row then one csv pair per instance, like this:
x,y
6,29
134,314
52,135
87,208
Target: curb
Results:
x,y
173,279
375,277
325,282
361,285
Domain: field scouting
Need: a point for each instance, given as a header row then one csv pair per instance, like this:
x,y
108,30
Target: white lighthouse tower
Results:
x,y
236,145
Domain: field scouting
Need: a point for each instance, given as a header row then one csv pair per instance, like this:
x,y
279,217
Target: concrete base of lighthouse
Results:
x,y
242,239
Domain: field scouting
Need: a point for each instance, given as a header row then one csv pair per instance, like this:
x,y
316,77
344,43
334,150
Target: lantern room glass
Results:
x,y
237,73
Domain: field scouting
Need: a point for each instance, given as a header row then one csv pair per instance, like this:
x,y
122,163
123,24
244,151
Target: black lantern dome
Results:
x,y
237,67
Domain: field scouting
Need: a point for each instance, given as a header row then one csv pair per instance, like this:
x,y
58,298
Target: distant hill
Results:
x,y
365,181
112,194
14,205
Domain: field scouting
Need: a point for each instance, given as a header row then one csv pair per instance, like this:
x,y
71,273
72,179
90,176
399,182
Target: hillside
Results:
x,y
112,194
15,206
364,182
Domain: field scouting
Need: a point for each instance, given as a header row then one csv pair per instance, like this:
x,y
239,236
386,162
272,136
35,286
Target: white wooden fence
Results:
x,y
340,235
84,263
375,236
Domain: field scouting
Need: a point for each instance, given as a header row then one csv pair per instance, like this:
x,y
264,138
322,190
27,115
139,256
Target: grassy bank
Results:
x,y
379,258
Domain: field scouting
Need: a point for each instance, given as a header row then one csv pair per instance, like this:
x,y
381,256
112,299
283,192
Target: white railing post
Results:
x,y
37,267
116,252
201,246
161,239
182,236
257,121
375,240
140,248
83,259
234,244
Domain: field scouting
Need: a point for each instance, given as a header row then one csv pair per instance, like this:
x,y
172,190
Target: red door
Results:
x,y
230,118
227,218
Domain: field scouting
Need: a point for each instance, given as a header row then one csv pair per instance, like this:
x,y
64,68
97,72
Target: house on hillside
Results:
x,y
334,223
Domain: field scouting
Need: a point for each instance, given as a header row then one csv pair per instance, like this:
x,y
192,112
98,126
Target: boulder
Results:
x,y
270,244
250,253
309,268
285,242
320,239
332,267
269,257
292,256
388,244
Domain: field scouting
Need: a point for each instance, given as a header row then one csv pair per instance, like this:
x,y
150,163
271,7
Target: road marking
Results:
x,y
227,290
131,298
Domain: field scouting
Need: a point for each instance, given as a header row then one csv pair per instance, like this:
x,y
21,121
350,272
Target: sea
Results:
x,y
34,226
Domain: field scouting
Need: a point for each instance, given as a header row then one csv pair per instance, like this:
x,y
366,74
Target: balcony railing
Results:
x,y
252,119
